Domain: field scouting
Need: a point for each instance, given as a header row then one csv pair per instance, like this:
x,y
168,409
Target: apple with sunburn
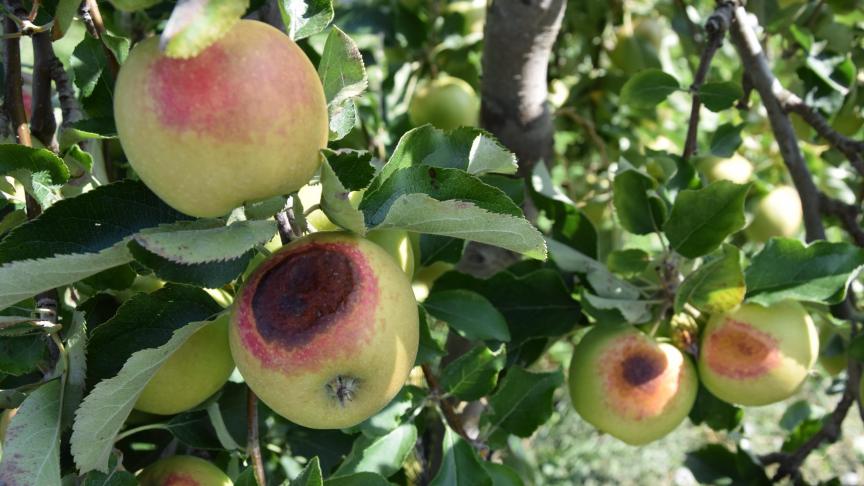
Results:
x,y
630,386
252,131
757,355
778,214
183,471
198,369
326,330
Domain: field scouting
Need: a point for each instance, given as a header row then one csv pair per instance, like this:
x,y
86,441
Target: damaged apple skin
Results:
x,y
758,355
326,331
628,385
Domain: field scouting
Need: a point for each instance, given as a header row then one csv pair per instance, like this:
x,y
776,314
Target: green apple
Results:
x,y
778,214
194,372
758,355
326,331
832,350
133,5
252,131
183,471
630,386
445,102
736,169
426,277
473,12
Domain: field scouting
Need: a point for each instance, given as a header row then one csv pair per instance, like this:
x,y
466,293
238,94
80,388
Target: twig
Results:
x,y
13,103
756,64
454,420
716,27
43,125
283,223
69,109
852,149
588,126
253,445
92,18
848,215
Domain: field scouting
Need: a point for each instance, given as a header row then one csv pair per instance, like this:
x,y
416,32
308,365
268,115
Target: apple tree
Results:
x,y
371,242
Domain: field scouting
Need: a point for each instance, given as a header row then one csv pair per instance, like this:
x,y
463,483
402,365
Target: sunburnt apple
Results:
x,y
242,121
630,386
195,371
183,471
445,102
326,330
778,214
757,355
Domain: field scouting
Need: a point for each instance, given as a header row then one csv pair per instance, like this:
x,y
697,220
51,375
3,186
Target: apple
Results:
x,y
133,5
778,214
426,277
628,385
195,371
310,195
736,169
252,131
326,331
651,30
183,471
473,12
758,355
5,420
445,102
832,353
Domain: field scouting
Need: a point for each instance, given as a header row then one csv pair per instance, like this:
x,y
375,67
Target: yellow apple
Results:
x,y
326,330
241,122
778,214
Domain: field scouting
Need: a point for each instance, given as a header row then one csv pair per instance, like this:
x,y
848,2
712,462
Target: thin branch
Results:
x,y
848,215
852,149
764,82
92,18
283,223
13,104
589,128
454,420
43,125
253,444
716,27
69,108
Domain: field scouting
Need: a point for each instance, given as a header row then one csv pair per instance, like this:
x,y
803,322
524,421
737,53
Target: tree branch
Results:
x,y
716,27
43,125
13,103
454,420
847,214
253,444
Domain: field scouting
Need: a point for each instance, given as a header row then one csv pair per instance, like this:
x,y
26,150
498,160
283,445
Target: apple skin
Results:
x,y
194,372
628,385
183,471
758,355
736,169
778,214
445,102
326,331
252,132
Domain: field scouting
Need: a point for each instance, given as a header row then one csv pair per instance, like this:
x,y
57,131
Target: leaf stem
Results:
x,y
135,430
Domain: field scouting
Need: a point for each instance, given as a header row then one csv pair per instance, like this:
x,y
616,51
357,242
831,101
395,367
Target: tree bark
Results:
x,y
519,36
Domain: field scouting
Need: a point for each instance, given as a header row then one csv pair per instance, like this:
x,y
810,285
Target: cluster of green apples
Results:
x,y
638,389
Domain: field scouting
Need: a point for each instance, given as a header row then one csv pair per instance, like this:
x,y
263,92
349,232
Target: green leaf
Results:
x,y
421,213
340,174
26,278
502,475
787,270
115,476
343,76
358,479
569,225
310,475
196,24
523,401
715,464
460,465
715,413
717,286
639,212
14,157
88,63
604,283
633,310
474,374
469,313
628,263
720,96
105,409
142,322
429,349
210,275
20,355
31,449
382,455
76,371
89,129
702,219
204,242
648,88
63,17
394,414
119,46
726,140
305,17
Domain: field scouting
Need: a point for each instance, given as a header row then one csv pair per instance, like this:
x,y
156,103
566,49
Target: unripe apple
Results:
x,y
630,386
240,122
427,276
326,330
736,169
777,214
445,102
183,471
473,13
831,336
195,371
758,355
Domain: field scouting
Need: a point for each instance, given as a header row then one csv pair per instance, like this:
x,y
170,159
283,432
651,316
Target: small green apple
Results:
x,y
778,214
832,353
183,471
445,102
194,372
736,169
326,331
630,386
251,132
758,355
